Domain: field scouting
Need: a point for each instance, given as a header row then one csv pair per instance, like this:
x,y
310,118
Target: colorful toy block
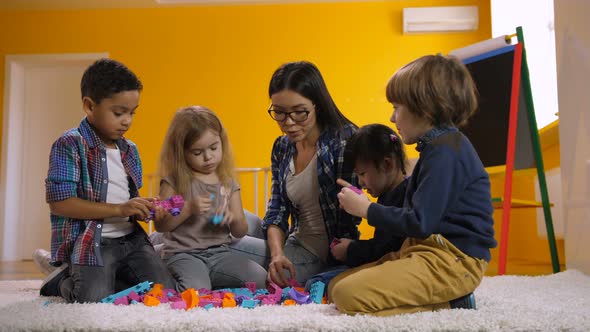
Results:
x,y
139,289
173,205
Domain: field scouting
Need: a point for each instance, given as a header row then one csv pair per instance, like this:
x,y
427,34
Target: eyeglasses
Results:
x,y
296,116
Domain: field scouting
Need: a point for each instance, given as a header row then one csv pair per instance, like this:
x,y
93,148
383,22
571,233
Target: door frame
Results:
x,y
13,127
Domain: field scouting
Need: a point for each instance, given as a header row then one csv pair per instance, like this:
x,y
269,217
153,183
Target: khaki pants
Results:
x,y
424,275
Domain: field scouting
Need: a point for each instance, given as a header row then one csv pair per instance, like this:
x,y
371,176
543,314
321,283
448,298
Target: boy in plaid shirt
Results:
x,y
92,190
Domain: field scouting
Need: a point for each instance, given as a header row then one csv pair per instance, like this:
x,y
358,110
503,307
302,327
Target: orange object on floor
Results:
x,y
150,301
191,297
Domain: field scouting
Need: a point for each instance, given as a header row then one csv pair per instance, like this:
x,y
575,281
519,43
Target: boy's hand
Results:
x,y
160,213
137,206
340,250
351,201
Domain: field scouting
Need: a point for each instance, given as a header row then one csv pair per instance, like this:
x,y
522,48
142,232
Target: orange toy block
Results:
x,y
289,302
191,297
228,300
156,291
150,301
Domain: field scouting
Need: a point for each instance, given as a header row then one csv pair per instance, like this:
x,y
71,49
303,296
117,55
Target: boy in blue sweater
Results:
x,y
447,211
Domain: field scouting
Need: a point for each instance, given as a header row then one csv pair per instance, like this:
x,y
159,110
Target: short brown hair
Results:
x,y
435,87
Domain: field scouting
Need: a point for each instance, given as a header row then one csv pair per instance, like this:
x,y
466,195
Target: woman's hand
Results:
x,y
340,250
276,270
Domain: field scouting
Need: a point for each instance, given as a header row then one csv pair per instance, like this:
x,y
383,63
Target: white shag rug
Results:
x,y
558,302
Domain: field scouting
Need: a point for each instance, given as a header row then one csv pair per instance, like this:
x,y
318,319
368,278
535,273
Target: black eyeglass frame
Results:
x,y
288,114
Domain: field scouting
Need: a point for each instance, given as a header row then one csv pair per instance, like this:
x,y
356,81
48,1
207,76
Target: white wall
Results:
x,y
572,32
537,20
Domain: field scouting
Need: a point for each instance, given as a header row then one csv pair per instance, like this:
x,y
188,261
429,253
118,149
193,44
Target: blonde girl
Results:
x,y
197,163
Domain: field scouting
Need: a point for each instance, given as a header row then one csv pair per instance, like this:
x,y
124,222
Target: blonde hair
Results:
x,y
437,88
187,126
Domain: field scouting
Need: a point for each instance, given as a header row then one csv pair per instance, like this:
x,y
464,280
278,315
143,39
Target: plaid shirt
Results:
x,y
77,168
330,166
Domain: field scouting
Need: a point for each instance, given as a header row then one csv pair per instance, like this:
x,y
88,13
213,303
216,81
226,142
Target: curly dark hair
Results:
x,y
106,77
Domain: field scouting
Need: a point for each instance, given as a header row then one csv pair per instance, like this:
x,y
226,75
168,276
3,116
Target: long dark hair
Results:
x,y
304,78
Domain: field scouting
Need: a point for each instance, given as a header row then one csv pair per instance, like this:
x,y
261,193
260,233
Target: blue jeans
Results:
x,y
325,277
130,259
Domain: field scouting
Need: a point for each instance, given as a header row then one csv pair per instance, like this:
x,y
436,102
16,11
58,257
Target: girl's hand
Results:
x,y
228,218
201,204
351,202
340,250
276,270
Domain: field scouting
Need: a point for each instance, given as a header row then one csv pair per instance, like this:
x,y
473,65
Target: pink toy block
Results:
x,y
251,285
355,189
123,300
334,243
215,302
133,296
294,283
173,205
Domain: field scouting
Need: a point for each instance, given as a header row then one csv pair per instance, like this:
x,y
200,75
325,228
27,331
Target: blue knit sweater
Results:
x,y
448,194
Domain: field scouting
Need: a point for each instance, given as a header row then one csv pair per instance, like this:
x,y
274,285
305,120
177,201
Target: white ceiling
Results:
x,y
96,4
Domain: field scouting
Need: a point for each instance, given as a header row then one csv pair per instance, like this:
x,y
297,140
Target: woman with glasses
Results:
x,y
306,161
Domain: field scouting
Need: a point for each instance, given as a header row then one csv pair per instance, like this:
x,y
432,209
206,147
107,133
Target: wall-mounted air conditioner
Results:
x,y
440,19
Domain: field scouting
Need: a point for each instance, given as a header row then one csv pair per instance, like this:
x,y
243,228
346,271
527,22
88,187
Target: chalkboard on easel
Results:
x,y
488,128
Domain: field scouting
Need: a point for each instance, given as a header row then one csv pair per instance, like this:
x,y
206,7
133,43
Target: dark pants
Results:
x,y
128,260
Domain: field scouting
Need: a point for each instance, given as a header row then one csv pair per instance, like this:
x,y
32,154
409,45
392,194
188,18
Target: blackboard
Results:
x,y
488,128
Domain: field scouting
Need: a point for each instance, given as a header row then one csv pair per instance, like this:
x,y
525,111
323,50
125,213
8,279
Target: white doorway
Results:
x,y
42,100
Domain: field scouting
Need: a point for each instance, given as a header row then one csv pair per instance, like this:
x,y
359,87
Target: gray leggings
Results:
x,y
254,247
214,268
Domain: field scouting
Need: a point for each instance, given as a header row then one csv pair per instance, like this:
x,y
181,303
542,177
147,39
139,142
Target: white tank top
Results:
x,y
303,190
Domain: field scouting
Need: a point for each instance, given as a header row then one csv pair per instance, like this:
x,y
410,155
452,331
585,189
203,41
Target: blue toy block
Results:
x,y
261,291
216,219
250,303
243,292
316,292
139,289
285,294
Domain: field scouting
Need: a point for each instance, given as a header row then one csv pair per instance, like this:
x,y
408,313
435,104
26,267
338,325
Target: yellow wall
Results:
x,y
223,57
